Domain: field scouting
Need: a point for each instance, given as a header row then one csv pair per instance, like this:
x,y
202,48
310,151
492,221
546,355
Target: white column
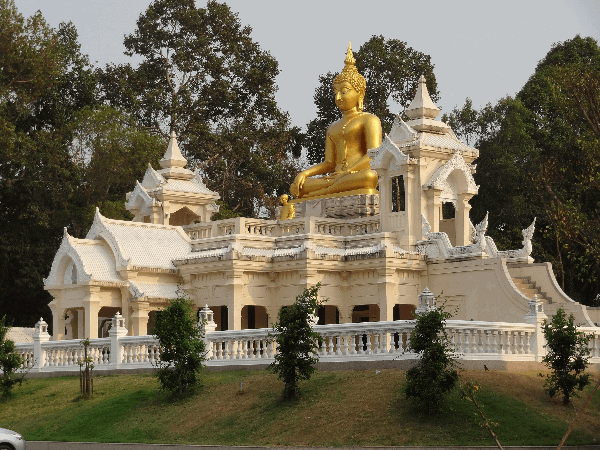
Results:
x,y
536,316
116,332
91,306
40,335
461,222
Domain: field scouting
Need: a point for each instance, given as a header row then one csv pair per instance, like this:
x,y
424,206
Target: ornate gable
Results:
x,y
152,179
441,178
389,156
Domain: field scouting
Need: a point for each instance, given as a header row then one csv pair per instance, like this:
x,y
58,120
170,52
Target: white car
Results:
x,y
11,440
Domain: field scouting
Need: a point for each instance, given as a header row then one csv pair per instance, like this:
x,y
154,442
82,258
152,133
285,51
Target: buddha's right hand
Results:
x,y
297,185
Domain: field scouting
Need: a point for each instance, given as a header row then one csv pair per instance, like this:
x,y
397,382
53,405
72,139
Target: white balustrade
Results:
x,y
330,227
594,343
367,341
485,340
201,232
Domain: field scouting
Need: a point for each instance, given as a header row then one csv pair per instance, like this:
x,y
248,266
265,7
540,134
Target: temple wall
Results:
x,y
481,289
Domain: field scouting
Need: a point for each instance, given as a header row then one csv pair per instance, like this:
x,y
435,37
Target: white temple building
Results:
x,y
372,261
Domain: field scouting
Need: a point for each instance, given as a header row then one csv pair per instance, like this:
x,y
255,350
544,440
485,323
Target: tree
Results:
x,y
568,356
392,70
61,154
35,172
435,375
204,77
540,156
110,153
10,361
182,350
297,343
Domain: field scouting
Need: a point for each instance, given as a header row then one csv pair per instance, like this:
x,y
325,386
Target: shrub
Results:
x,y
567,356
296,342
10,361
181,347
435,374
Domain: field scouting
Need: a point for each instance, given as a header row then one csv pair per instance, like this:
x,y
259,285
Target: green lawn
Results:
x,y
340,408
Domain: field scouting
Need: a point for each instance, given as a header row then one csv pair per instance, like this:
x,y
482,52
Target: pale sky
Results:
x,y
480,49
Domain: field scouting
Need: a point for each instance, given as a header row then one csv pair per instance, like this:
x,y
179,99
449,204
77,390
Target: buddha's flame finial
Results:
x,y
350,73
349,61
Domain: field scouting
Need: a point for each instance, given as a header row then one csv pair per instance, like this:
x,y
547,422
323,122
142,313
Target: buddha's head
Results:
x,y
348,79
284,199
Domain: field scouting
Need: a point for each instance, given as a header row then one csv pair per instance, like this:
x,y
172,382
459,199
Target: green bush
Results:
x,y
10,361
567,356
181,347
297,343
435,374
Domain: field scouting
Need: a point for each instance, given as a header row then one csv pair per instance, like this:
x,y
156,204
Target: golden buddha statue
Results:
x,y
346,169
288,210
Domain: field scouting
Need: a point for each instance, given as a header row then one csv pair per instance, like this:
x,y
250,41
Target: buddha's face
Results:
x,y
346,97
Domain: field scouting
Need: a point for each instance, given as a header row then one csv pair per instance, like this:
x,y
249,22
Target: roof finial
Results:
x,y
422,106
173,156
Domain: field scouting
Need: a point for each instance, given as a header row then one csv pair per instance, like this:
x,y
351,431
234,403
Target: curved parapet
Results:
x,y
543,276
477,289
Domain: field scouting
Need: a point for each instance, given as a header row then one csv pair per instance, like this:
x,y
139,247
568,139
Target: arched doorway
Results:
x,y
328,314
254,317
365,313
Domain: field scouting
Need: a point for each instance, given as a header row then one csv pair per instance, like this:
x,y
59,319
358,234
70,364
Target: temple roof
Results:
x,y
140,244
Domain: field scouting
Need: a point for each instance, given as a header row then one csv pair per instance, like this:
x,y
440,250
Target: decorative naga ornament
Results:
x,y
346,168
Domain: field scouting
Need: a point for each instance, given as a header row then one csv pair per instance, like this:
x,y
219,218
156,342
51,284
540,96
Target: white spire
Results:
x,y
422,106
173,156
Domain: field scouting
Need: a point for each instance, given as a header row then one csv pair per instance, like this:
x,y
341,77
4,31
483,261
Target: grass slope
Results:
x,y
344,408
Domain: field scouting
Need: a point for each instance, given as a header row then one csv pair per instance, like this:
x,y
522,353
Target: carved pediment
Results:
x,y
461,181
389,156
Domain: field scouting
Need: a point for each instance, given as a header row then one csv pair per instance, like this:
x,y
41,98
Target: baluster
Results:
x,y
466,343
368,351
329,344
519,342
527,343
475,341
506,342
376,342
487,341
242,349
479,344
227,354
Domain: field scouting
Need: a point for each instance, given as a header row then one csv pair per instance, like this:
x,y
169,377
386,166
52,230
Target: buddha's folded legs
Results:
x,y
363,179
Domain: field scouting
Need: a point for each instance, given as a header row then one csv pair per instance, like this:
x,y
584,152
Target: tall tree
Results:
x,y
391,69
204,77
61,154
541,152
35,175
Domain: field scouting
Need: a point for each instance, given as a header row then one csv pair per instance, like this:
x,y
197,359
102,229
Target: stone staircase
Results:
x,y
529,289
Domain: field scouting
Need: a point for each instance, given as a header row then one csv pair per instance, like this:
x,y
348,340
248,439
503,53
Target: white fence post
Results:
x,y
40,335
536,316
208,324
116,332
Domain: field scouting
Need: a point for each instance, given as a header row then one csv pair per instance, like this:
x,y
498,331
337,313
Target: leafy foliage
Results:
x,y
182,349
567,356
435,375
61,155
204,77
539,157
10,361
296,342
392,70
